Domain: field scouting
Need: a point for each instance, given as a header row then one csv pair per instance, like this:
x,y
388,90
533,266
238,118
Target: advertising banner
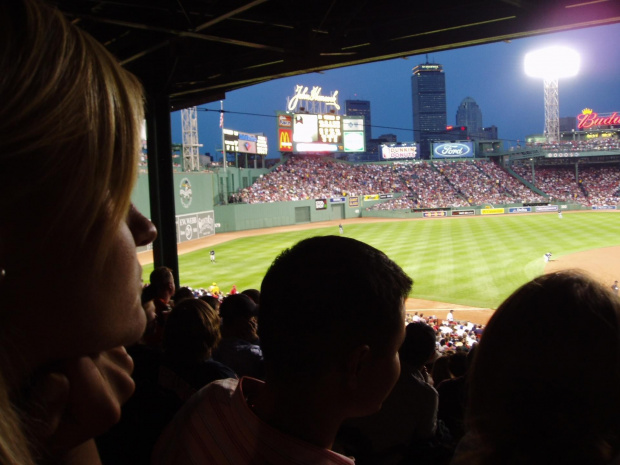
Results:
x,y
386,196
435,214
371,197
491,211
354,201
338,200
195,225
285,137
460,149
400,152
604,207
547,208
320,204
463,212
519,209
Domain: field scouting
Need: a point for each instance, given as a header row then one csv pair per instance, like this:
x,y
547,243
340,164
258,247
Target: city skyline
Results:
x,y
491,74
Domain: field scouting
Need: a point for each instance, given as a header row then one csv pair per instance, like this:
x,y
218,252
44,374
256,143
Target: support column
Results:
x,y
161,182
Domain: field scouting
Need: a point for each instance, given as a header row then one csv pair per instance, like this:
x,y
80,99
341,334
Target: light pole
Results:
x,y
551,64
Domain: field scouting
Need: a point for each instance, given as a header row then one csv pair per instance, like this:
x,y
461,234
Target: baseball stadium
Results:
x,y
469,229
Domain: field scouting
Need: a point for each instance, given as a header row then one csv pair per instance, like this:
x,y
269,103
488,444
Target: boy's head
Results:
x,y
322,299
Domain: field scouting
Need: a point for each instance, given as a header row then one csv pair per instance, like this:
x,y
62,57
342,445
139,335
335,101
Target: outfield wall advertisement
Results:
x,y
492,211
195,225
547,208
520,210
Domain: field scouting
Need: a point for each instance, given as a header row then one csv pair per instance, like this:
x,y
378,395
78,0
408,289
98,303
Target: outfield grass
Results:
x,y
469,261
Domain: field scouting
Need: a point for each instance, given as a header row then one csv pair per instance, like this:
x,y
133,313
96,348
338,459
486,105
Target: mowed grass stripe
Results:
x,y
470,261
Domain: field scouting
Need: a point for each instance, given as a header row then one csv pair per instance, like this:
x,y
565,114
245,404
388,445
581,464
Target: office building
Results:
x,y
360,108
428,90
470,116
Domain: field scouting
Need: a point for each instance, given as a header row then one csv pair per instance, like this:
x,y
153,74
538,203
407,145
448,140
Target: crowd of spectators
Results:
x,y
587,185
598,144
414,185
436,184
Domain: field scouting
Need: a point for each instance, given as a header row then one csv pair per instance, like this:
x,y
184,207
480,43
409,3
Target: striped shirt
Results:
x,y
217,427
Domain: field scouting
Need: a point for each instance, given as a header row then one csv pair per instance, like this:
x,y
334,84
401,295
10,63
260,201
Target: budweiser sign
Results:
x,y
589,119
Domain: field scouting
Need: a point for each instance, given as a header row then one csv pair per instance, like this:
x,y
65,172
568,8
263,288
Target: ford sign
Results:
x,y
453,150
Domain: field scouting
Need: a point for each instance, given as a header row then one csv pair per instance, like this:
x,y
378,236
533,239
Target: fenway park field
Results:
x,y
468,264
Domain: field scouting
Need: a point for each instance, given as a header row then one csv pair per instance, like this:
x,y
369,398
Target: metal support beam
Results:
x,y
161,182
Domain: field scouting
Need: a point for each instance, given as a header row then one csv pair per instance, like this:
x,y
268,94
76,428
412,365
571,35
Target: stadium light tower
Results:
x,y
551,64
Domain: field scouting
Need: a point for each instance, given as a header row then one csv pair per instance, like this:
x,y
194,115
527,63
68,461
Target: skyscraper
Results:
x,y
469,114
428,90
360,108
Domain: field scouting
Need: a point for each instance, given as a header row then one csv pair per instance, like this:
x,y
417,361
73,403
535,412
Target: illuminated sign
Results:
x,y
261,145
302,94
305,128
241,142
318,133
352,123
285,137
285,121
399,152
453,150
315,147
329,129
354,142
589,119
604,135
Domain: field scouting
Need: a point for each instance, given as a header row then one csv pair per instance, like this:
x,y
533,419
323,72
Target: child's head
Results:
x,y
322,298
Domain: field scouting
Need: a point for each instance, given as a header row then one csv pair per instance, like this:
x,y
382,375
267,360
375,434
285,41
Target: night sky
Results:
x,y
492,75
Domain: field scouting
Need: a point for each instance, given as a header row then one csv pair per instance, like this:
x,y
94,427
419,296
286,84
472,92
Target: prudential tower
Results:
x,y
428,91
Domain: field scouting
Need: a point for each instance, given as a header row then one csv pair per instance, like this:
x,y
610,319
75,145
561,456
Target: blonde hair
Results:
x,y
70,124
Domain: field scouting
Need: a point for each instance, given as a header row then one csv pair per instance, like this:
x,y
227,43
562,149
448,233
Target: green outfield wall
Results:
x,y
238,217
202,211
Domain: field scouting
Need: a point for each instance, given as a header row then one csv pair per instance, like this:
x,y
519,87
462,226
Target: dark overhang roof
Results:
x,y
196,50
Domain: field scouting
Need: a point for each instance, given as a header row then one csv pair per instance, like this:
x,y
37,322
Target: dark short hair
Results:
x,y
192,330
237,306
213,302
253,294
160,277
419,344
546,373
325,296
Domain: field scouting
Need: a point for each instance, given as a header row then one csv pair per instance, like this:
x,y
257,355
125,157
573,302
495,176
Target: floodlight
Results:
x,y
550,64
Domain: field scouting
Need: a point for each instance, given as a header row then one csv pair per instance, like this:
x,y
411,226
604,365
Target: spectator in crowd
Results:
x,y
452,394
73,116
239,347
253,294
213,302
162,288
545,379
441,370
192,334
165,381
321,368
408,418
181,294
